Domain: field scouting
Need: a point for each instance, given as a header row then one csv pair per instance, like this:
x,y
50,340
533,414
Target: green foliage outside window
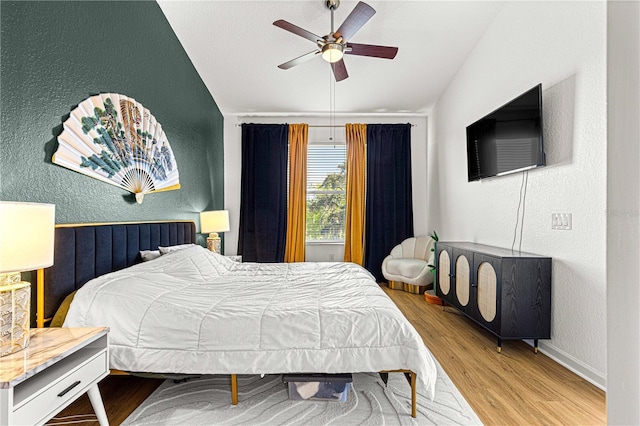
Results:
x,y
326,208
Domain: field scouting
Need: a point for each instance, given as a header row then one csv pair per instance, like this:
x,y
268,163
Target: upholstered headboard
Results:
x,y
85,251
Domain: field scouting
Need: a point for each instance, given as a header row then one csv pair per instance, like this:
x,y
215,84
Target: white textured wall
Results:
x,y
321,253
623,206
563,46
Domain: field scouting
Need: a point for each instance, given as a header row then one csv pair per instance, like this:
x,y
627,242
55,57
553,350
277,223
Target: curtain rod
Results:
x,y
322,125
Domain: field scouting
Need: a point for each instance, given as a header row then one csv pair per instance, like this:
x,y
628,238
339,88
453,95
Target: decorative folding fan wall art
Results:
x,y
113,138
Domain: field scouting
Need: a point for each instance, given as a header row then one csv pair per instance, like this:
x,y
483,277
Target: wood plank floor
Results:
x,y
515,387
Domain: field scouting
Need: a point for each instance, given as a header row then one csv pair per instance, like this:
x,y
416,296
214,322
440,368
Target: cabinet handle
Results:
x,y
73,385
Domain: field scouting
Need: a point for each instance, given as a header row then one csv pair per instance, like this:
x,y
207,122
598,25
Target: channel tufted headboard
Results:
x,y
85,251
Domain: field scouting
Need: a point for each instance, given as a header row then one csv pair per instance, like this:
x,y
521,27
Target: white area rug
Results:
x,y
265,401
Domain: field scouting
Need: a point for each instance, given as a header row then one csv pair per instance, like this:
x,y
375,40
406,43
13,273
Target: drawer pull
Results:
x,y
73,385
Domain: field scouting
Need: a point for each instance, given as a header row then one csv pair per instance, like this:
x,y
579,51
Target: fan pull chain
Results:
x,y
332,106
333,125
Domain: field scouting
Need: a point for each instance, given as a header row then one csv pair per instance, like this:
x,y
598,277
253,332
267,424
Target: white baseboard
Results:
x,y
572,364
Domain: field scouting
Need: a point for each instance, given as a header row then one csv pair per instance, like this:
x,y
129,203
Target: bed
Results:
x,y
191,311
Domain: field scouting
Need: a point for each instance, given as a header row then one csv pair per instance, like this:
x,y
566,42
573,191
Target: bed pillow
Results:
x,y
165,250
148,255
61,313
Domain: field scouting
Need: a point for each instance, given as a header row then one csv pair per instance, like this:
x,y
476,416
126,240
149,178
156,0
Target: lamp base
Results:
x,y
15,303
213,242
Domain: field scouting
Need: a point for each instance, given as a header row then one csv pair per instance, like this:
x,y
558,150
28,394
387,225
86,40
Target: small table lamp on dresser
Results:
x,y
26,244
211,223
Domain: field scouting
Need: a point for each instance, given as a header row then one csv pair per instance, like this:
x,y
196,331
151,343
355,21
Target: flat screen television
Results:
x,y
508,140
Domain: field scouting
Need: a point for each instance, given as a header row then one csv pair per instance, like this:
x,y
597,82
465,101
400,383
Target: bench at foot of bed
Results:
x,y
414,411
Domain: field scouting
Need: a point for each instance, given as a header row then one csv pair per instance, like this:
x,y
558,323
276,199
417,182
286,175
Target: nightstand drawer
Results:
x,y
61,391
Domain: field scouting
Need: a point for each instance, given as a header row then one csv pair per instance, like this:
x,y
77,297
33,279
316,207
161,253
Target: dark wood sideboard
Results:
x,y
506,292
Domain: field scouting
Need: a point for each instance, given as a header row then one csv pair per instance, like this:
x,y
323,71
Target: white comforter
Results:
x,y
193,311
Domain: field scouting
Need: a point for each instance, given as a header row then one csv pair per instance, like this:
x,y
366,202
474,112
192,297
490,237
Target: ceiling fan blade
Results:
x,y
386,52
356,19
339,70
297,30
298,60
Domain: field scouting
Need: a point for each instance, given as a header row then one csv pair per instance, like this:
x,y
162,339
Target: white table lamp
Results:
x,y
211,223
26,244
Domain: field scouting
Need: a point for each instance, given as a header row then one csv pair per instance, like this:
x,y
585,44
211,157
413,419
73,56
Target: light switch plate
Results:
x,y
561,221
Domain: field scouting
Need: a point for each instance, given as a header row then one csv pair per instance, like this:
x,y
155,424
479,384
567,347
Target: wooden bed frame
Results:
x,y
88,250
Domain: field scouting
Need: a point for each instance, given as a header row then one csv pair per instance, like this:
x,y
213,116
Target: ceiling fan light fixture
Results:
x,y
332,52
334,45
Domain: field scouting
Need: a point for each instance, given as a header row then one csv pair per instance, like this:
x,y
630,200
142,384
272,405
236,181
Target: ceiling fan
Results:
x,y
334,45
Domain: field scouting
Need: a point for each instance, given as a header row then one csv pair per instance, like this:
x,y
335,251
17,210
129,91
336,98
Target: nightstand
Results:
x,y
58,366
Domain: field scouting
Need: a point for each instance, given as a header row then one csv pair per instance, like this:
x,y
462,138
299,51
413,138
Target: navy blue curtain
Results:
x,y
389,204
263,192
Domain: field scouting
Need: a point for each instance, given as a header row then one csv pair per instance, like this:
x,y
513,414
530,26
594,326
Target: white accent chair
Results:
x,y
406,268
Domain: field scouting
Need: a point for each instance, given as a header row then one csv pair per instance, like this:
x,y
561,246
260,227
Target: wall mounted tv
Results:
x,y
508,140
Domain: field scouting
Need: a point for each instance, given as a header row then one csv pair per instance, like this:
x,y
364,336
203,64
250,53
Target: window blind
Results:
x,y
326,192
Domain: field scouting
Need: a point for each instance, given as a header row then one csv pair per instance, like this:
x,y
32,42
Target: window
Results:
x,y
326,192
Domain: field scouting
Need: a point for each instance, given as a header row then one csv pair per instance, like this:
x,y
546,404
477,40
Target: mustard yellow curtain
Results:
x,y
354,228
297,212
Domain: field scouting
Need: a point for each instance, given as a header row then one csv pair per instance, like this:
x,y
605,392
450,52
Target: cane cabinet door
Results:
x,y
443,285
462,276
487,291
462,280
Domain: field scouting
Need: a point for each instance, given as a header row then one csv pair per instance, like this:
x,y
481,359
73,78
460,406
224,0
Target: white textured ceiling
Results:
x,y
235,48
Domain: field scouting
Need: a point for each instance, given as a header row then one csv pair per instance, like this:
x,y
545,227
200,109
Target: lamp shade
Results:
x,y
214,221
26,236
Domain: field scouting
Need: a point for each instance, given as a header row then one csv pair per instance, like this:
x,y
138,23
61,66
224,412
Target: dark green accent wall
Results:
x,y
55,55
